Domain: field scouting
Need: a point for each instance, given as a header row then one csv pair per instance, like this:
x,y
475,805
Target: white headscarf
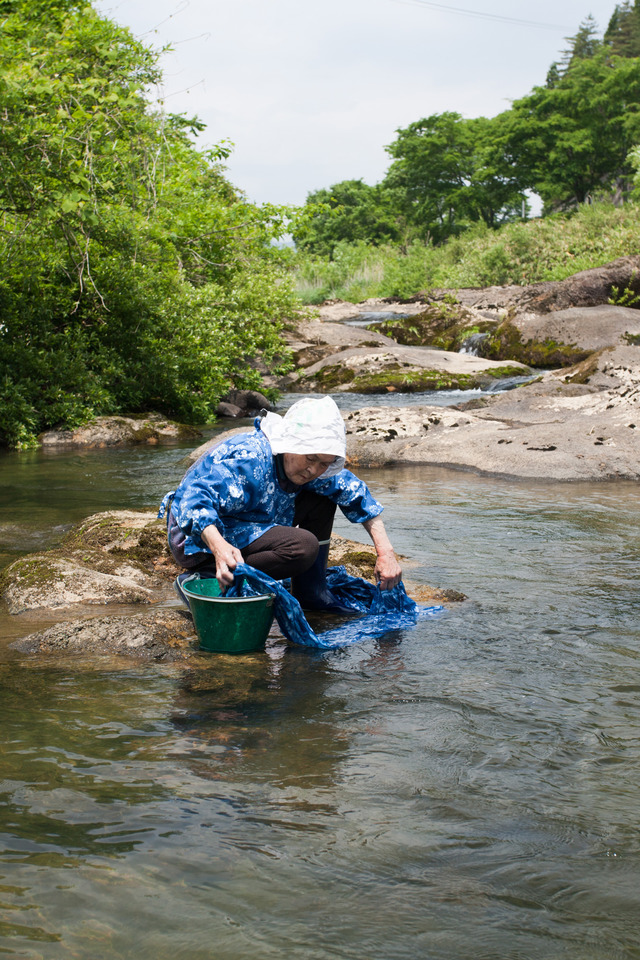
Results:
x,y
310,426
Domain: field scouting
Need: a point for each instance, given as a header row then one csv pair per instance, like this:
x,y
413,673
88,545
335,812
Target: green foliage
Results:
x,y
360,270
446,174
550,248
135,277
583,45
350,210
628,296
570,141
623,32
634,162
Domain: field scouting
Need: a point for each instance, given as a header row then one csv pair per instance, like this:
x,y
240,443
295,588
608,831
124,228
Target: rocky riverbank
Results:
x,y
335,357
575,421
119,561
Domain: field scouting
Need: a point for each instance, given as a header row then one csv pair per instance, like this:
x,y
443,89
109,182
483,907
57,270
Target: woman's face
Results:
x,y
301,468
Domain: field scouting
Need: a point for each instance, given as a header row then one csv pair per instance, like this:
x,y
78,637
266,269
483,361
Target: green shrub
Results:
x,y
549,248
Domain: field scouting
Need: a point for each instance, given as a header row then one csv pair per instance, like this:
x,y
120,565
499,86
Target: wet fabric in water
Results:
x,y
379,611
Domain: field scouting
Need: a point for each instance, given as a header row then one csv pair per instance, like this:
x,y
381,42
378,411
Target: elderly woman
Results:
x,y
268,499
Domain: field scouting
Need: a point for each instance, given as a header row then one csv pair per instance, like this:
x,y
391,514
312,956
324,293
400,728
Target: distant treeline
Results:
x,y
569,141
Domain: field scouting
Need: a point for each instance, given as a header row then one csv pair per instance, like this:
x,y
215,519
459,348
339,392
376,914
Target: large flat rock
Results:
x,y
556,429
588,328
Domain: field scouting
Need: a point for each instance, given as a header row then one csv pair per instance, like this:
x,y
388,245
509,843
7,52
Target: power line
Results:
x,y
496,18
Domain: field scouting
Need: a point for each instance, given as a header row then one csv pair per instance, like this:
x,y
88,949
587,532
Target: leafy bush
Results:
x,y
136,277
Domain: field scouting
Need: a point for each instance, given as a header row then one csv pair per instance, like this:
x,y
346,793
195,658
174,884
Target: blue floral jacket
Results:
x,y
235,486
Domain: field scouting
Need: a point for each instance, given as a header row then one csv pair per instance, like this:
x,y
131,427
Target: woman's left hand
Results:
x,y
388,571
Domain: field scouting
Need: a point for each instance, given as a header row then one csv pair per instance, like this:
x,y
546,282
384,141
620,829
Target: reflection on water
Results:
x,y
467,789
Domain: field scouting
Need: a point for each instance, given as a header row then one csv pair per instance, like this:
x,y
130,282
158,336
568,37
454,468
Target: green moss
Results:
x,y
442,324
361,559
145,544
497,373
413,381
405,380
330,377
583,371
29,571
506,343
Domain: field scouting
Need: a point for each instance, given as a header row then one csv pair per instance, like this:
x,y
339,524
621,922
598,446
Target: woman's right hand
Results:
x,y
227,557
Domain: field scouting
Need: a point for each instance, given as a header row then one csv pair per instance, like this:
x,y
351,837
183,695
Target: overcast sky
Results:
x,y
310,92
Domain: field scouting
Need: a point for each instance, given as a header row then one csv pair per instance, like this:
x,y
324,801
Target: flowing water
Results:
x,y
467,789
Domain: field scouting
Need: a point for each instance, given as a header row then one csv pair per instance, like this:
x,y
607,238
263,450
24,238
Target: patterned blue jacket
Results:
x,y
235,486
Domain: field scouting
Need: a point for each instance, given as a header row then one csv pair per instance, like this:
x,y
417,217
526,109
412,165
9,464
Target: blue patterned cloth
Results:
x,y
235,486
380,611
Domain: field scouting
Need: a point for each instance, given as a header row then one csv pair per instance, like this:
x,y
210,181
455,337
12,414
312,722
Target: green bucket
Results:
x,y
228,624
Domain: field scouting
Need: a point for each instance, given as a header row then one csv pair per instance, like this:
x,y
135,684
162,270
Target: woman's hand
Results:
x,y
227,557
388,570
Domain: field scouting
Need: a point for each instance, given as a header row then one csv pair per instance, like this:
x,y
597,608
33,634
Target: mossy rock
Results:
x,y
163,636
116,557
327,379
362,561
507,343
138,537
445,324
52,581
582,372
419,380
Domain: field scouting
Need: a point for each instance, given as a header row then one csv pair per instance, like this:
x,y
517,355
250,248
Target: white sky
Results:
x,y
310,92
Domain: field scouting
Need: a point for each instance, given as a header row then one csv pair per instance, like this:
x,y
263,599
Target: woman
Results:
x,y
268,499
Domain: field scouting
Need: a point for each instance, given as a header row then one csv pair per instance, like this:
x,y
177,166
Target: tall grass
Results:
x,y
520,253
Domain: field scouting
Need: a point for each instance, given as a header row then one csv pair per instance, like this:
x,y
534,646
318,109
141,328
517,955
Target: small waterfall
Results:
x,y
472,344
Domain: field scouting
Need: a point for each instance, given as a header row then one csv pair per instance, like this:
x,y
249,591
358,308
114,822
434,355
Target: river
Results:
x,y
466,790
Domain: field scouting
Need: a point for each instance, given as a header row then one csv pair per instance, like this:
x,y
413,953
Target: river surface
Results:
x,y
466,790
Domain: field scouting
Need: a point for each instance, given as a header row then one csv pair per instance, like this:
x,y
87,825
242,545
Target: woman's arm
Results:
x,y
388,570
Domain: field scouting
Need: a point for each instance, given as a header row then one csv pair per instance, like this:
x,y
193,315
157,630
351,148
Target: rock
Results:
x,y
162,635
588,288
243,403
337,311
439,324
573,424
586,328
41,580
546,325
333,358
113,557
111,431
562,337
228,410
251,401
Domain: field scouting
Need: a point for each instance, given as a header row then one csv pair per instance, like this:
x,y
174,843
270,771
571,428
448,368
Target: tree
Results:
x,y
571,140
582,46
446,173
136,277
623,32
350,210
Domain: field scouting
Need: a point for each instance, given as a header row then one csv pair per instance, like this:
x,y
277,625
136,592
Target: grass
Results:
x,y
551,248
